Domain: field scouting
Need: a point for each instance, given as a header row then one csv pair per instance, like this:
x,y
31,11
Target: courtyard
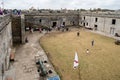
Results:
x,y
101,63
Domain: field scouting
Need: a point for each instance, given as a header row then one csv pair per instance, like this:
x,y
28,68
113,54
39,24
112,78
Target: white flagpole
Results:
x,y
75,61
76,64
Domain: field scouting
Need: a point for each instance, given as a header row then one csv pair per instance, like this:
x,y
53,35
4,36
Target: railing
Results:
x,y
4,20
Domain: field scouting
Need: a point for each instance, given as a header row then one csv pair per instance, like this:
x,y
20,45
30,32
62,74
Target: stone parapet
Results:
x,y
4,20
107,15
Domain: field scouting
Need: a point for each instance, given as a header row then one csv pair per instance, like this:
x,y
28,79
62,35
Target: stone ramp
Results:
x,y
25,65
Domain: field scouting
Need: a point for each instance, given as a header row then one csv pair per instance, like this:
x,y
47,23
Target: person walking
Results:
x,y
26,40
87,51
40,30
78,33
92,42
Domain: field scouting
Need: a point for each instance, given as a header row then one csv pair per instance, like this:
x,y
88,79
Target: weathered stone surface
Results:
x,y
26,57
18,29
5,45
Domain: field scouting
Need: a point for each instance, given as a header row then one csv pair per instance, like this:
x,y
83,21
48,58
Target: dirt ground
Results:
x,y
25,67
102,62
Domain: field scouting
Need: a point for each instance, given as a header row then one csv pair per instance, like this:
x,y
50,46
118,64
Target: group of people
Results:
x,y
45,29
2,12
92,42
6,11
16,12
62,29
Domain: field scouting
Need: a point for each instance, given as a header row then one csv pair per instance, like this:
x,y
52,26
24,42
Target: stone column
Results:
x,y
23,28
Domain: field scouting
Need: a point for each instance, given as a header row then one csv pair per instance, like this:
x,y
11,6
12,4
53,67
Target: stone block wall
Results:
x,y
5,44
103,23
49,19
18,29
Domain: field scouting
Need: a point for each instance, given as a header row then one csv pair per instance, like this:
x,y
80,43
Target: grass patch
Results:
x,y
103,62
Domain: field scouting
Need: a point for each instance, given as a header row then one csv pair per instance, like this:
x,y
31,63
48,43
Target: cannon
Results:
x,y
117,42
41,68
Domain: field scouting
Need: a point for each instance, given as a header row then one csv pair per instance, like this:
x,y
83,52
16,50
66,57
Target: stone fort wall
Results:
x,y
52,19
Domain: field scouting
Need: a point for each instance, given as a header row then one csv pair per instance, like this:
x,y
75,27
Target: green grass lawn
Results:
x,y
102,63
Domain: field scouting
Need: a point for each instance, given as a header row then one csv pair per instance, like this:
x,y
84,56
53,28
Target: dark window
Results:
x,y
2,69
54,24
96,19
113,21
84,24
73,23
64,23
58,11
95,26
84,18
51,11
40,11
87,24
40,20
